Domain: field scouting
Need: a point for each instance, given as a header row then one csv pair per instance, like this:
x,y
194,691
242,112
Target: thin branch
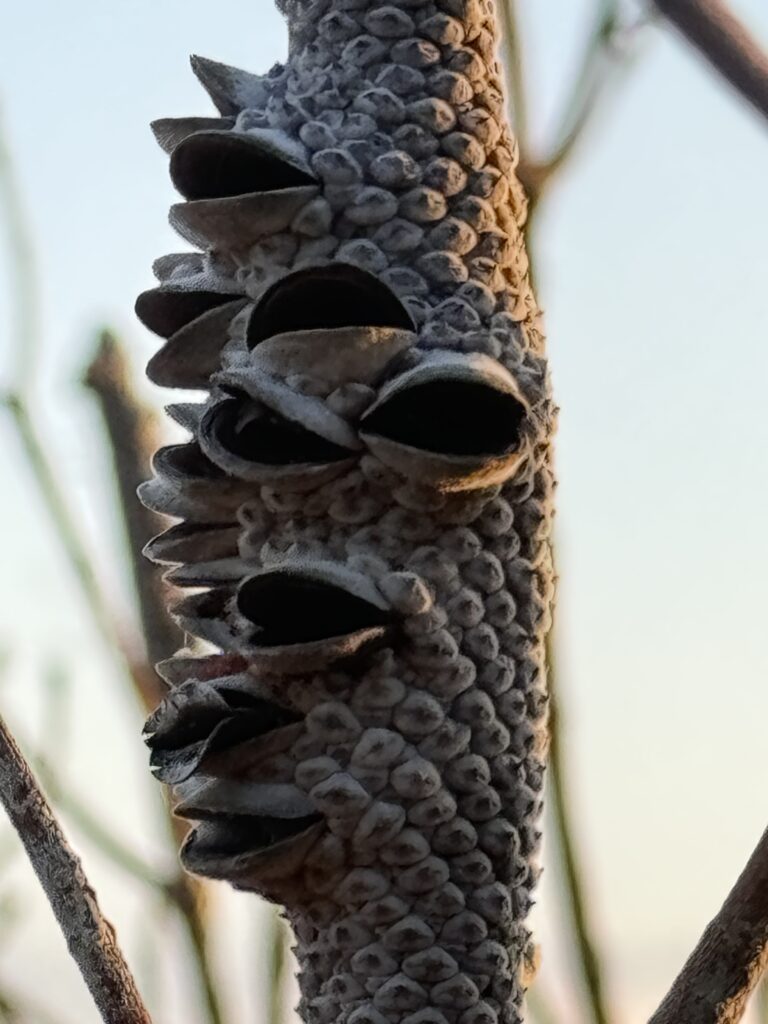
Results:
x,y
608,51
133,432
90,938
16,1009
719,976
277,942
726,42
589,961
182,891
186,891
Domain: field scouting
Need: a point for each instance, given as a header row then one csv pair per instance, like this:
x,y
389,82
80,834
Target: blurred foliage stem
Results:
x,y
126,644
607,55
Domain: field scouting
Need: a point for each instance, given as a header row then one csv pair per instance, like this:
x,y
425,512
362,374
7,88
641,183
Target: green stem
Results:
x,y
276,938
25,310
572,874
58,509
27,334
89,825
539,1008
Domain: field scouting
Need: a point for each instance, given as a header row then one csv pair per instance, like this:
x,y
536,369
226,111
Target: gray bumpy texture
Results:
x,y
358,729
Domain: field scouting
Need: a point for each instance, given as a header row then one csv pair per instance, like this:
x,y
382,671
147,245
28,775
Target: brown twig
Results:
x,y
131,431
133,434
719,976
90,938
725,41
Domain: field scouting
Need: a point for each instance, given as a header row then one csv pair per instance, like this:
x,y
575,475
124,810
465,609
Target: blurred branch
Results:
x,y
589,961
90,826
608,51
16,1009
725,41
90,938
26,323
69,535
718,977
25,310
181,891
187,892
538,1006
132,431
761,999
515,70
277,941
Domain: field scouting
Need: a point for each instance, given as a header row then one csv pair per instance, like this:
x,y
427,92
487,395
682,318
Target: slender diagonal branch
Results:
x,y
721,973
69,534
25,310
90,938
726,43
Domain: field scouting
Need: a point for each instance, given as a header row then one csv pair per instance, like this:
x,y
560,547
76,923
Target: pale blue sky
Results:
x,y
653,275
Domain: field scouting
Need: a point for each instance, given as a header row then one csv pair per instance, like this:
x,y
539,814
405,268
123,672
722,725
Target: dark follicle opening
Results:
x,y
237,834
185,460
253,716
288,608
217,165
210,604
450,417
166,311
268,438
329,297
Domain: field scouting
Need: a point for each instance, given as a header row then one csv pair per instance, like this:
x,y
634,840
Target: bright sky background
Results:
x,y
653,275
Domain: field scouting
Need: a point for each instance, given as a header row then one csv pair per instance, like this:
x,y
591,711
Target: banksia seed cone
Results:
x,y
363,509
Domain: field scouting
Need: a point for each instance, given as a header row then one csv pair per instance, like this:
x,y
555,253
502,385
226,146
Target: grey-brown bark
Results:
x,y
721,973
90,938
724,40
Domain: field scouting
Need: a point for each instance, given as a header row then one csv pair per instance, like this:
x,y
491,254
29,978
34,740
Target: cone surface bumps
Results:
x,y
364,509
